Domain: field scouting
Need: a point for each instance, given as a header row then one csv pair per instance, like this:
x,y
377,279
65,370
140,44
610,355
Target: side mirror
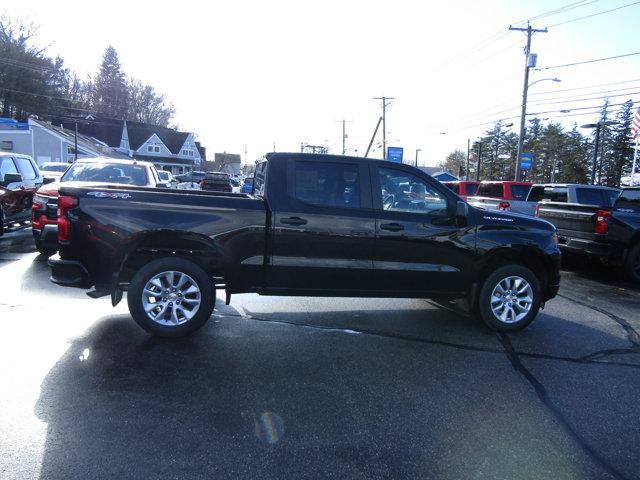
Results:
x,y
462,212
47,180
11,178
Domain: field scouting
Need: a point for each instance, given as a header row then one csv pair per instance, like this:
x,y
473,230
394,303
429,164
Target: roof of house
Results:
x,y
84,141
109,130
141,132
163,160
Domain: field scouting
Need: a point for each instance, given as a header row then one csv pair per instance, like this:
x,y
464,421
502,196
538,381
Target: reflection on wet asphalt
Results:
x,y
281,387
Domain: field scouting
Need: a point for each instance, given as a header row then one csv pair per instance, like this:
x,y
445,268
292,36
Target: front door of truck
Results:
x,y
322,235
419,249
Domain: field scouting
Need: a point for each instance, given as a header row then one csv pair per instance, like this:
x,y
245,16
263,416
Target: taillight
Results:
x,y
536,210
602,221
504,206
65,204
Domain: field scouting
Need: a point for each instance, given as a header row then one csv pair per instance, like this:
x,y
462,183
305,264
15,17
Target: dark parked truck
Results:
x,y
608,232
315,225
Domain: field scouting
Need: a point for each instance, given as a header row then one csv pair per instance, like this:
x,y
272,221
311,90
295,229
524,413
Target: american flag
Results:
x,y
635,124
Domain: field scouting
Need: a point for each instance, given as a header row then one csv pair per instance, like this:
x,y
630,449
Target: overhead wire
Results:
x,y
594,14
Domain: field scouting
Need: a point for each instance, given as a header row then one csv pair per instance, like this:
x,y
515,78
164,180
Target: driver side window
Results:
x,y
404,192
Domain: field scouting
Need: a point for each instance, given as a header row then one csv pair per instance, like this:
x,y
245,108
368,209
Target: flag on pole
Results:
x,y
635,124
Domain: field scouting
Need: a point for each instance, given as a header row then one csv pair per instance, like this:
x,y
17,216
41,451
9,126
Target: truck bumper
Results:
x,y
47,236
588,247
69,273
553,280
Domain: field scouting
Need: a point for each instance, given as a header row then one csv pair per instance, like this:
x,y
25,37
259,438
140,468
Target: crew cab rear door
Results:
x,y
419,249
323,232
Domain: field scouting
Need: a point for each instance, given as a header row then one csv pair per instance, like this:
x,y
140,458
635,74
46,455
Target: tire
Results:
x,y
168,319
511,280
44,250
632,263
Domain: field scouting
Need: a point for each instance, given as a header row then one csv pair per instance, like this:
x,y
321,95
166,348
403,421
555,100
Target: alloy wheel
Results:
x,y
171,298
511,299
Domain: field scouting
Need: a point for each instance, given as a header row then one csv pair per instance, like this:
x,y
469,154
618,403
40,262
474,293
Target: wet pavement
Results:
x,y
282,387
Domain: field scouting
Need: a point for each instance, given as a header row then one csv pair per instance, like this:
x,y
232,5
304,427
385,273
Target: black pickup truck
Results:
x,y
609,232
315,225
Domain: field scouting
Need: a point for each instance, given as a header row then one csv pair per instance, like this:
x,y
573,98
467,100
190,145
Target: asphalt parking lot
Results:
x,y
317,387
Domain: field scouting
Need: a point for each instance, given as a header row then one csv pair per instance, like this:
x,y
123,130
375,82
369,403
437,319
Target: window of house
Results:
x,y
149,148
156,148
26,167
327,184
404,192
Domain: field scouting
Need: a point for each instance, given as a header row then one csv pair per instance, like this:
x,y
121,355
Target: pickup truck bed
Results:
x,y
609,233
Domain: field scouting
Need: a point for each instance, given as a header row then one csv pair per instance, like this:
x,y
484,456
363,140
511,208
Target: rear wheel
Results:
x,y
171,297
632,264
510,298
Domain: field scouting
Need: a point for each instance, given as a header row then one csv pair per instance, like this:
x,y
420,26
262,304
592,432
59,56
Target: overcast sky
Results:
x,y
259,73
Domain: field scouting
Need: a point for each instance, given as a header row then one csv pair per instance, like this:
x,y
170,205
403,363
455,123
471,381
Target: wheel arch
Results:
x,y
195,247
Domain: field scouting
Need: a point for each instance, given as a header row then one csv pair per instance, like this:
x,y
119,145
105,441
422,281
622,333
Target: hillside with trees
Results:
x,y
33,83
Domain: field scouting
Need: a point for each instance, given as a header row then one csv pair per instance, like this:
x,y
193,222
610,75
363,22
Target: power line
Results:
x,y
557,11
587,87
595,14
589,61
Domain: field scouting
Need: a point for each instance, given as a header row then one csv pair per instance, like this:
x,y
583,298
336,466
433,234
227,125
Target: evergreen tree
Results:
x,y
575,165
621,150
110,95
604,148
532,144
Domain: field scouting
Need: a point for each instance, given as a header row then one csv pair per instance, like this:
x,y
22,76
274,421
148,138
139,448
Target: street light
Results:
x,y
523,117
417,150
597,126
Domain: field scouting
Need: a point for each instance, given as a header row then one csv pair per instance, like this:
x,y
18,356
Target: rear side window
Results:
x,y
25,166
553,194
327,184
491,190
590,196
629,200
259,179
520,192
6,166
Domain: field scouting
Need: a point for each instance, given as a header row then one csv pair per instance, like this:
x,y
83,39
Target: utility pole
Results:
x,y
528,63
75,145
246,155
373,137
344,135
478,163
468,157
384,124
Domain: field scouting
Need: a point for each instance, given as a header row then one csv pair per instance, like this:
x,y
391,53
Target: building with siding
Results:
x,y
167,148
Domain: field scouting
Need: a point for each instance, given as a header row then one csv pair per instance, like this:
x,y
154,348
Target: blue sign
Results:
x,y
394,154
526,161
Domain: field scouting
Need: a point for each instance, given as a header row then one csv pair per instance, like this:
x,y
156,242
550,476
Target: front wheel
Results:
x,y
510,298
171,297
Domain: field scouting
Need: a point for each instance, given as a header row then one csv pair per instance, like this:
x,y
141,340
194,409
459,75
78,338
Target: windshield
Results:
x,y
106,173
54,167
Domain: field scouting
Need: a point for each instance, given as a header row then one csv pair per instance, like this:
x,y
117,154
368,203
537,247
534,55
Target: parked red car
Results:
x,y
464,188
19,179
44,209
